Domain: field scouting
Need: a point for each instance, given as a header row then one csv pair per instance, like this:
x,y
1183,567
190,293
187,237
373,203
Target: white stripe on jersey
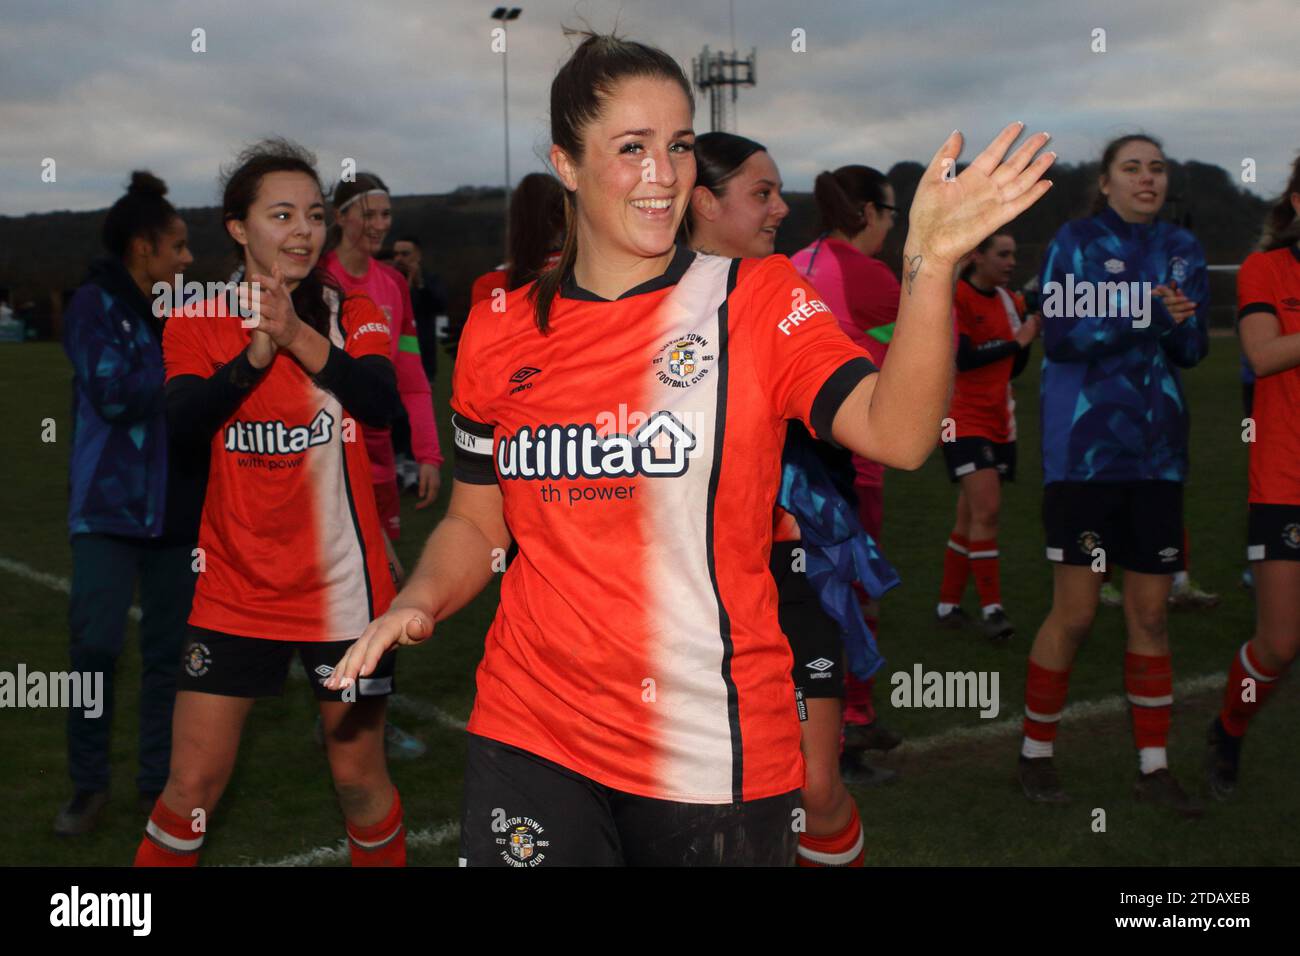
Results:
x,y
686,659
342,567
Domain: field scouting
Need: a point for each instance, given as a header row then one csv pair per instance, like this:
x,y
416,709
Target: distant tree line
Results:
x,y
46,254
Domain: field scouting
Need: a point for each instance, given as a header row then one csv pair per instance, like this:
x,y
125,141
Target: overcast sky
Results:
x,y
412,89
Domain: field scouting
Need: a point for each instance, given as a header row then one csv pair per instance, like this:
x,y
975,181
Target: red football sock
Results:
x,y
382,843
845,848
1149,682
984,568
1236,712
1045,692
169,839
956,569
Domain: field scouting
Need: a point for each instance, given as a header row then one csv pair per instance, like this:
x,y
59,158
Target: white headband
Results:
x,y
371,192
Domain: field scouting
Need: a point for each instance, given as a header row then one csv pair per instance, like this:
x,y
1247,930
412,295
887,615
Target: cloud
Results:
x,y
413,89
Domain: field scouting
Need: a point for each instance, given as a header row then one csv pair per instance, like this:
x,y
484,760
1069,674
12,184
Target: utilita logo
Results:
x,y
277,438
658,449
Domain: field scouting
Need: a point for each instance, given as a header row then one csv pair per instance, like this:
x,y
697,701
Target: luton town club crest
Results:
x,y
521,843
683,361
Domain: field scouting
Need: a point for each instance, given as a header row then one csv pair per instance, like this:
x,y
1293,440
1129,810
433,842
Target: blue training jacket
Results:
x,y
119,445
1113,407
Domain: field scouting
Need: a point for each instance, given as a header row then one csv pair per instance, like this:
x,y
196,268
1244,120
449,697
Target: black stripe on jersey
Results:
x,y
1250,308
724,620
356,526
472,467
833,392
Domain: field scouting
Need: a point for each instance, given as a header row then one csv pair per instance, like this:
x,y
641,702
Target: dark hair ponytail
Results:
x,y
143,211
841,195
1282,228
578,95
240,183
536,223
718,157
1099,200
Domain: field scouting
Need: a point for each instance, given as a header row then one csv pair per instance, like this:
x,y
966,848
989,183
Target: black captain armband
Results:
x,y
833,393
473,451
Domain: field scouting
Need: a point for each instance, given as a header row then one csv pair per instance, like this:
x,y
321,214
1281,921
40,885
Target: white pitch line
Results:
x,y
327,855
426,711
51,581
1083,710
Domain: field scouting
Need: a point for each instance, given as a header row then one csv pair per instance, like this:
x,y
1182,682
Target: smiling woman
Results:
x,y
273,406
634,700
363,214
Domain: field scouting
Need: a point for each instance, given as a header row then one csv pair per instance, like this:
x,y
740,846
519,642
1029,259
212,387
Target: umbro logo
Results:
x,y
1114,266
820,664
1291,303
324,670
1168,554
521,378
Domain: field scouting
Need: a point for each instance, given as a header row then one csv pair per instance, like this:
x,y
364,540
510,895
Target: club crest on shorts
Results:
x,y
198,659
1291,535
523,842
683,361
1089,541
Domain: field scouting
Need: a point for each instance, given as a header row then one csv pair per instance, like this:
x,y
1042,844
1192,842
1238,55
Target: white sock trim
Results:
x,y
1164,701
165,839
1151,759
834,859
1042,718
1245,664
375,844
1033,749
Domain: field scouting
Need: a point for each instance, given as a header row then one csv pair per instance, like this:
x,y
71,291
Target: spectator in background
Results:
x,y
536,235
134,509
428,299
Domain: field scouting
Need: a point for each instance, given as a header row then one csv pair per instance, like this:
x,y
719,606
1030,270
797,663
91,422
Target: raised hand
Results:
x,y
1029,330
951,215
1180,307
276,316
404,626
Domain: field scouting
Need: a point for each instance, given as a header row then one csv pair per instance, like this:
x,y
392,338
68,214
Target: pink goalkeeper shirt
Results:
x,y
389,290
863,294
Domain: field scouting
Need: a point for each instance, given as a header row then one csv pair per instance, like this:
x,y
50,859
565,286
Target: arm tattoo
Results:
x,y
912,267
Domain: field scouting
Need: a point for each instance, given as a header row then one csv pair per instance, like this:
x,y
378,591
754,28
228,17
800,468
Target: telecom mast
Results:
x,y
721,75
